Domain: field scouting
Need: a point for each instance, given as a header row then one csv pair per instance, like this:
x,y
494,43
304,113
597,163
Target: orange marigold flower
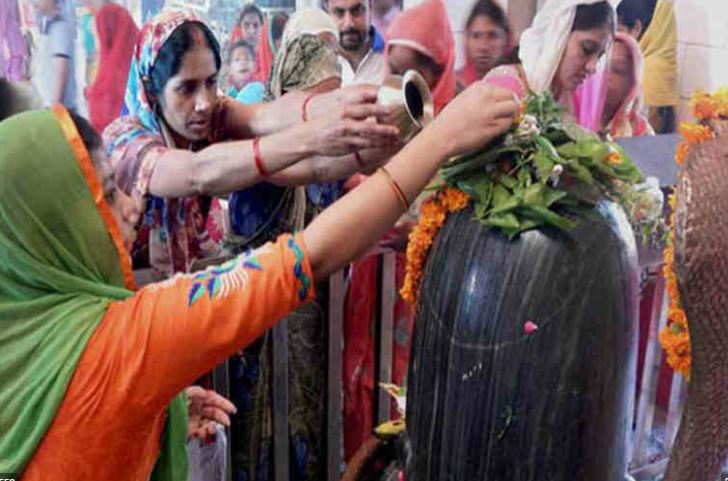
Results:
x,y
694,133
521,112
432,216
677,348
675,338
672,291
704,106
681,153
677,316
613,158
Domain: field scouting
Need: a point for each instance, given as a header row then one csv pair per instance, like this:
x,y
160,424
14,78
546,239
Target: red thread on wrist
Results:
x,y
359,160
259,158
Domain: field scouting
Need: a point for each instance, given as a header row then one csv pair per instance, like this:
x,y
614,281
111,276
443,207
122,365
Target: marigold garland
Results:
x,y
675,338
432,216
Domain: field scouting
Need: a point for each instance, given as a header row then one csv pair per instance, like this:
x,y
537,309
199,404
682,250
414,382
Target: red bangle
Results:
x,y
259,158
395,187
304,107
359,160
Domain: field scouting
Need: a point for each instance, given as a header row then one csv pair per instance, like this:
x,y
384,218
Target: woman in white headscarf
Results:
x,y
560,50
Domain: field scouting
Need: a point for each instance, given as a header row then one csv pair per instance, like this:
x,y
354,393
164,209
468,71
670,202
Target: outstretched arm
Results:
x,y
475,117
226,167
204,318
246,121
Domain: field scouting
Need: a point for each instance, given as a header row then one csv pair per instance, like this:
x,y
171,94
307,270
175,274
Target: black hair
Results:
x,y
6,99
491,10
508,58
91,138
277,25
595,15
236,45
629,11
250,9
169,59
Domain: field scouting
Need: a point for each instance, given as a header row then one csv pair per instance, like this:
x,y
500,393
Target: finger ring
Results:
x,y
515,99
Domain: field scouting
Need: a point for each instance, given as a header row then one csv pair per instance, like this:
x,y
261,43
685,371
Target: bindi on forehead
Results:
x,y
198,37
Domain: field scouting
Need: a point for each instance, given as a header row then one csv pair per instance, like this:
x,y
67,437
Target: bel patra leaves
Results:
x,y
540,170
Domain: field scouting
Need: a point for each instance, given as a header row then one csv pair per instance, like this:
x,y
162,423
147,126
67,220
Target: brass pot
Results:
x,y
411,102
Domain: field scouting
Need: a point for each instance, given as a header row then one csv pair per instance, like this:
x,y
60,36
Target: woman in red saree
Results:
x,y
117,34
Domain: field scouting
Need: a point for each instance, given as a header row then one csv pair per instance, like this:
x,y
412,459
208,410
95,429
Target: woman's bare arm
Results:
x,y
246,121
225,167
331,169
360,218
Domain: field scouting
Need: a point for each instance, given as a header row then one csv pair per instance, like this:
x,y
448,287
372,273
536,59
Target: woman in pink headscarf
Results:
x,y
420,38
622,114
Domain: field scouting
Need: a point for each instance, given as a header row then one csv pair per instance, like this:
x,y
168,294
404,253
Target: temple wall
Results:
x,y
702,46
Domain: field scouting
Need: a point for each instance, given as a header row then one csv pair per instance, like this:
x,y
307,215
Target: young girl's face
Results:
x,y
242,66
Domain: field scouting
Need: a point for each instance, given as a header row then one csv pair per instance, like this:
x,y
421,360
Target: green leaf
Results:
x,y
507,181
457,170
579,172
503,200
474,185
544,165
540,195
504,221
480,189
594,150
547,216
577,133
528,224
480,210
548,148
524,177
626,170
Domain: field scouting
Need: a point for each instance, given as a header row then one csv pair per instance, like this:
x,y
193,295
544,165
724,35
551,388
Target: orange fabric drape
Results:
x,y
150,346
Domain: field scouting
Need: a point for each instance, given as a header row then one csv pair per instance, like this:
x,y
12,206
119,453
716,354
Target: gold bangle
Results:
x,y
395,187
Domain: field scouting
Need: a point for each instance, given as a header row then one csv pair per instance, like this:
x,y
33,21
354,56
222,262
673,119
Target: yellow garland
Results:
x,y
675,338
432,216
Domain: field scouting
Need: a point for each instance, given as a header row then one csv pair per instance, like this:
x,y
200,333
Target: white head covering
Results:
x,y
309,21
543,44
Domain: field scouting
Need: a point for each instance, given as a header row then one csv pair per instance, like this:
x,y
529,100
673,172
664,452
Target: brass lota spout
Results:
x,y
411,100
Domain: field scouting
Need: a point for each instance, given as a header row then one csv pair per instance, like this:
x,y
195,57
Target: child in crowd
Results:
x,y
241,65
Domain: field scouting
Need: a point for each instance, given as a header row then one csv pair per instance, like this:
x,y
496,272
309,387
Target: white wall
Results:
x,y
702,27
